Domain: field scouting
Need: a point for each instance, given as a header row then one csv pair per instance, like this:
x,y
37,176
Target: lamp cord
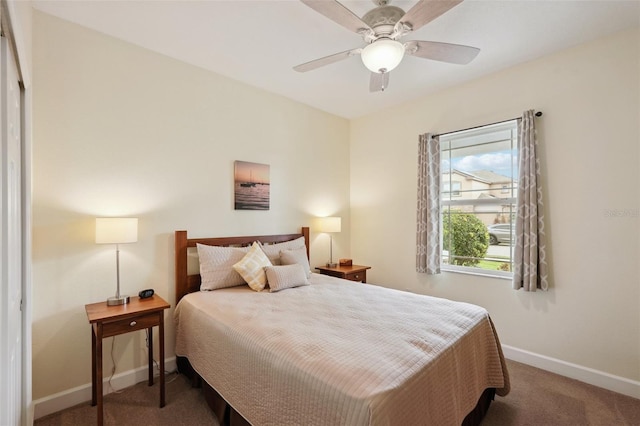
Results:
x,y
113,362
154,359
113,368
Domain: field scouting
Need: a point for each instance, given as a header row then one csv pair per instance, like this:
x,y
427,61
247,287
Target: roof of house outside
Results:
x,y
485,176
491,176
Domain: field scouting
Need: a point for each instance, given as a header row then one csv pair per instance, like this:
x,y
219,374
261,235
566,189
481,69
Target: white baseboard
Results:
x,y
574,371
70,397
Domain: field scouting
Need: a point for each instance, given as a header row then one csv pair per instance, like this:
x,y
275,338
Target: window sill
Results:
x,y
503,275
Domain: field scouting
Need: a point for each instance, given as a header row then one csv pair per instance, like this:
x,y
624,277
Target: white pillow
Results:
x,y
273,250
251,267
285,276
296,256
216,266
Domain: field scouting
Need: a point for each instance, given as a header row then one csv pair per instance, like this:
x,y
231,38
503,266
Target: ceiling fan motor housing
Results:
x,y
383,20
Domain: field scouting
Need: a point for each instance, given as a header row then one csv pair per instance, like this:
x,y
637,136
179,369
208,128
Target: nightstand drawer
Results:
x,y
357,276
348,272
130,324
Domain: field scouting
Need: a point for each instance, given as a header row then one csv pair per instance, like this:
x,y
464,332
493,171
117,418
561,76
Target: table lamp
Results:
x,y
330,225
117,230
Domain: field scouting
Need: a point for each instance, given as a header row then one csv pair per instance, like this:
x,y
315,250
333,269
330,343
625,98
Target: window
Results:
x,y
478,196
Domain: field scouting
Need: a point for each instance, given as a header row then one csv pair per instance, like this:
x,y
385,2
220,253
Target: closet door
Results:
x,y
11,246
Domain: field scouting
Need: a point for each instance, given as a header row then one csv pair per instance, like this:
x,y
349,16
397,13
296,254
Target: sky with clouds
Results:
x,y
498,162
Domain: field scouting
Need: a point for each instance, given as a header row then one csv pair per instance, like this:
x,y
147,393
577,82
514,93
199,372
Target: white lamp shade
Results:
x,y
329,224
116,230
382,55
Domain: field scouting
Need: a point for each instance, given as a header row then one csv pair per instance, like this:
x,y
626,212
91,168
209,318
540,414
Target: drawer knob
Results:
x,y
133,323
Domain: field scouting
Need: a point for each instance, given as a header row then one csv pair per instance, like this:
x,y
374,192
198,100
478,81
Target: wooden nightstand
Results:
x,y
352,273
107,321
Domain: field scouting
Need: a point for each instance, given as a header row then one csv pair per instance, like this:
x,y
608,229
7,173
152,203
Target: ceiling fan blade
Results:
x,y
424,12
445,52
338,14
317,63
378,82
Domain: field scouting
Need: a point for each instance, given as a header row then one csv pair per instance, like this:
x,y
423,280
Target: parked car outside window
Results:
x,y
501,233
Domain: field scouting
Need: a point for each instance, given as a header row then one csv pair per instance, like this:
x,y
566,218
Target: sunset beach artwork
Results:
x,y
251,186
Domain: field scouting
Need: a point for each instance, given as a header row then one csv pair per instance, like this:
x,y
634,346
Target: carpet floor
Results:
x,y
537,398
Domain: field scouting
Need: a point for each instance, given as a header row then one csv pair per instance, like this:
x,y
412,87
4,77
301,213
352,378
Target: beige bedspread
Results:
x,y
341,353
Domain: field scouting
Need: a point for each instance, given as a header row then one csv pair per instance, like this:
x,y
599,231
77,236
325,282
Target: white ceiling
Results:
x,y
258,42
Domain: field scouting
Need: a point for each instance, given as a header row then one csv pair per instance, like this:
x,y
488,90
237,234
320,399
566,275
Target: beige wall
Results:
x,y
589,147
119,130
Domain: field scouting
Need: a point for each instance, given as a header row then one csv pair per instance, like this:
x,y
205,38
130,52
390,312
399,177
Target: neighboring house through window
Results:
x,y
452,187
479,170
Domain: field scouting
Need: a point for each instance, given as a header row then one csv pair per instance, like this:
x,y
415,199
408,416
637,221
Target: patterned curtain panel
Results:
x,y
428,232
529,260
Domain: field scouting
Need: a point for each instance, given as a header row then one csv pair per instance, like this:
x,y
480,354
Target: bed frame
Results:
x,y
186,284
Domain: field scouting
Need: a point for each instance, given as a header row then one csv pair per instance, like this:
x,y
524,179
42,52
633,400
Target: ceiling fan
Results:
x,y
381,28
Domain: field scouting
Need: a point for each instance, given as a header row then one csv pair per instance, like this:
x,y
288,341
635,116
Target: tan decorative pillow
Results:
x,y
296,256
251,267
216,266
273,250
285,276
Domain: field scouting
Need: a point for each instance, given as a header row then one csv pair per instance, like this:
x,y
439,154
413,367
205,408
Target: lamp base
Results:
x,y
331,265
113,301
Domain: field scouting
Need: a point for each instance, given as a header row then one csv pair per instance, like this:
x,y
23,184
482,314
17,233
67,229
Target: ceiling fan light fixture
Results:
x,y
382,55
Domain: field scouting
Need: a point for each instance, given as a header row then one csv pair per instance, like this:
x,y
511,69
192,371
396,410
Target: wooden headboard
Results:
x,y
186,284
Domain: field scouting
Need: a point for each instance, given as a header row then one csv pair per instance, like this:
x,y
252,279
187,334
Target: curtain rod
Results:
x,y
537,114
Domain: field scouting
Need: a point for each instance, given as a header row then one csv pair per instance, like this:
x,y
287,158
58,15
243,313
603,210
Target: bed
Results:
x,y
334,352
